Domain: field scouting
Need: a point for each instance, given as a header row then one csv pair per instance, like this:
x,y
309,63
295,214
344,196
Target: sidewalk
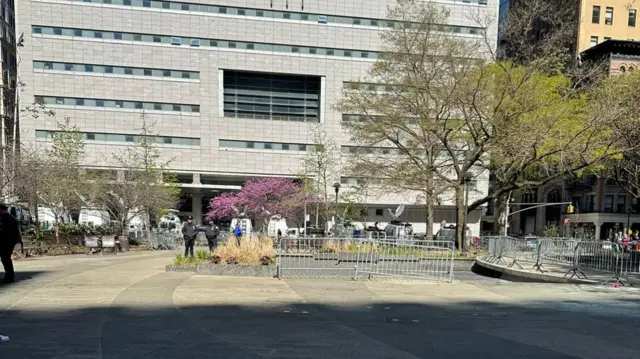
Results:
x,y
554,273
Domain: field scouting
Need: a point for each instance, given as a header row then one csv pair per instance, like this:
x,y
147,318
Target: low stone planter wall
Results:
x,y
233,270
184,268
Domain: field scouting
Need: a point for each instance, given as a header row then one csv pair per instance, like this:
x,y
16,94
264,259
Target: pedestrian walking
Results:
x,y
212,232
9,237
189,233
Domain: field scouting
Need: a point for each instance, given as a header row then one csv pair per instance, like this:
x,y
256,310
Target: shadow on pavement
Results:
x,y
550,330
20,276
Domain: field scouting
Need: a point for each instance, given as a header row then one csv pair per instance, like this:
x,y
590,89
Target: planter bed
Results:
x,y
183,268
231,270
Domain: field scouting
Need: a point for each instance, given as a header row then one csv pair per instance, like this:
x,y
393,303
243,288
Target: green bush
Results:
x,y
179,260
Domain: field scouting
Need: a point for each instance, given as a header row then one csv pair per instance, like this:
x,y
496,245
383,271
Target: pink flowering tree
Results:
x,y
224,206
259,200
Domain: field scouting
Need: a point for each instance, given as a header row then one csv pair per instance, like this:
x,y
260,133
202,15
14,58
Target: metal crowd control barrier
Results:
x,y
375,258
554,251
432,261
578,255
163,240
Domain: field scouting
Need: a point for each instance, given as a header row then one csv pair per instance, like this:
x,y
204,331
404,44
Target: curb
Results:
x,y
539,277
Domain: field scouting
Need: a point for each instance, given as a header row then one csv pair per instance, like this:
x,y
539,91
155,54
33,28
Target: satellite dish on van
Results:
x,y
395,216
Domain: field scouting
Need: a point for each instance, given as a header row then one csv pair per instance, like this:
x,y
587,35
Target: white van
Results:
x,y
94,217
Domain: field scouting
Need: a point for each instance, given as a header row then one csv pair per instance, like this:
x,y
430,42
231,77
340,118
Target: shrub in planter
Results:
x,y
179,260
265,260
216,259
250,251
202,255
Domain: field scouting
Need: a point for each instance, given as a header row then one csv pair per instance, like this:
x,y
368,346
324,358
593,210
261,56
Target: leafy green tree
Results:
x,y
436,96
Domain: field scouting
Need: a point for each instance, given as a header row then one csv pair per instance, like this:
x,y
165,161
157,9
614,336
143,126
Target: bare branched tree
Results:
x,y
143,187
321,168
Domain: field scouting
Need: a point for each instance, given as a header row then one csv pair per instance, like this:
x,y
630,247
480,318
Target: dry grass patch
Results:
x,y
251,250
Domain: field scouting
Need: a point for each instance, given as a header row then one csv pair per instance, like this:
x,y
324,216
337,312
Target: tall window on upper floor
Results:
x,y
267,96
595,15
594,41
621,203
608,16
632,17
608,203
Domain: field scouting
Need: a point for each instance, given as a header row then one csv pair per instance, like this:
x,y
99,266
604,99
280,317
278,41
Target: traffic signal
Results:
x,y
570,209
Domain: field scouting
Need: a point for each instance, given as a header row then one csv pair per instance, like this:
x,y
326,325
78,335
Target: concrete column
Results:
x,y
598,229
197,206
196,178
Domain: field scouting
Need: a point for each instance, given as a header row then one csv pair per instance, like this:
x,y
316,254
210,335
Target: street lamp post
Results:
x,y
466,178
336,187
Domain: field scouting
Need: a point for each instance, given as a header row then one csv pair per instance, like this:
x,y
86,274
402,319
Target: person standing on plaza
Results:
x,y
238,232
212,232
9,237
189,233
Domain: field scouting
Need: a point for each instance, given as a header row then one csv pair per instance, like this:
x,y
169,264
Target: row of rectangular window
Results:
x,y
274,146
273,117
442,157
118,137
370,150
608,15
116,70
357,181
175,40
134,105
284,15
372,118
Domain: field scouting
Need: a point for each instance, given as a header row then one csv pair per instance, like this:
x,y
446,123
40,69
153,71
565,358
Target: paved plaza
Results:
x,y
127,306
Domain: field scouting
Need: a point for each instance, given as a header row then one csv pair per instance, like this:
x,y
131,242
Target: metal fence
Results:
x,y
366,258
164,240
573,255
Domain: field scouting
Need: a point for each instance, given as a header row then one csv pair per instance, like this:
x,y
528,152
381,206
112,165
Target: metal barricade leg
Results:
x,y
575,268
539,267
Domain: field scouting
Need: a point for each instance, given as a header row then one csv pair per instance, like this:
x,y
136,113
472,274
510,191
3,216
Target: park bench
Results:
x,y
96,244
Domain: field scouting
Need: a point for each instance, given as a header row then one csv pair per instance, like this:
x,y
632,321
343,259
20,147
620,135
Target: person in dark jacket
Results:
x,y
212,232
9,236
189,233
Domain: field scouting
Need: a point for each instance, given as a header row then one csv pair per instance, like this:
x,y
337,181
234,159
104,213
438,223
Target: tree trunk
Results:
x,y
317,213
460,215
56,229
500,214
429,221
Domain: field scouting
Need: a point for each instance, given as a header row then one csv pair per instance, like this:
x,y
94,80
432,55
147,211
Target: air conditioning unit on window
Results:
x,y
322,19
